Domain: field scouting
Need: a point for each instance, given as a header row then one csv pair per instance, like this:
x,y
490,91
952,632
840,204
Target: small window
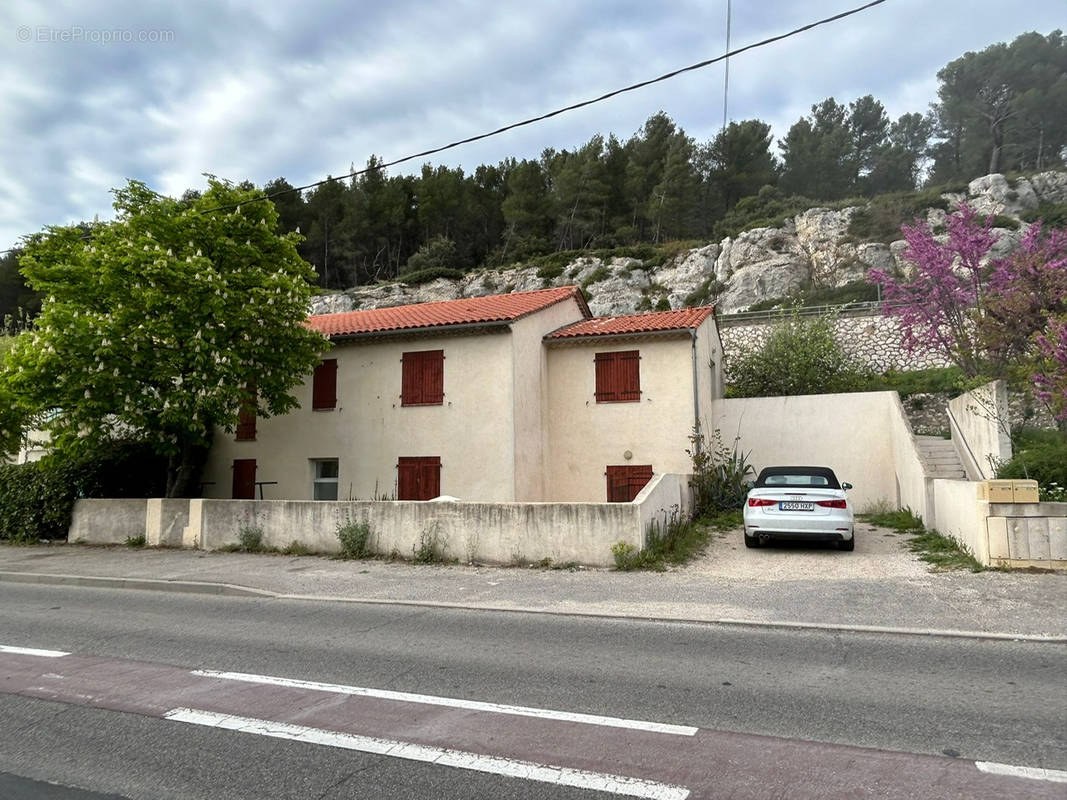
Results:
x,y
618,376
626,481
423,378
324,483
324,385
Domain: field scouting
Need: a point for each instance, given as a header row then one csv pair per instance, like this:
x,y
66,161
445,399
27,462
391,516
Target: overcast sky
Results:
x,y
255,90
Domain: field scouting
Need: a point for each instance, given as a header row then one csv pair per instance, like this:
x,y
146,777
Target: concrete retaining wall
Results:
x,y
979,423
959,514
486,532
864,437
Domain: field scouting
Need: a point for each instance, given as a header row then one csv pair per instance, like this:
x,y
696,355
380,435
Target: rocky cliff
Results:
x,y
812,248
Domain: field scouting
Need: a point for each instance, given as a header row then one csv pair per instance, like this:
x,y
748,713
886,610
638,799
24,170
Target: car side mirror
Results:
x,y
846,486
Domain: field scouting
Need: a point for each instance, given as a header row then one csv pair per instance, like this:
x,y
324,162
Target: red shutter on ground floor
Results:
x,y
324,385
418,477
244,479
626,481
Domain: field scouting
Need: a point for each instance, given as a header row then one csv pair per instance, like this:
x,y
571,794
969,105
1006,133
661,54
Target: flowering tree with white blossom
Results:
x,y
164,324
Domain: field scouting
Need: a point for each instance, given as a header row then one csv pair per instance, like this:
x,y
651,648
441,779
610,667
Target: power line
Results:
x,y
550,114
565,109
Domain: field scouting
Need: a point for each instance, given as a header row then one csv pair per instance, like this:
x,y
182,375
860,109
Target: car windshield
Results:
x,y
808,477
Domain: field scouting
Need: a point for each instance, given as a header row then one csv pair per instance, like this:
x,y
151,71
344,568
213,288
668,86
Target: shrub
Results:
x,y
438,253
707,292
1045,462
1053,215
432,274
250,538
768,209
136,541
663,304
37,499
355,539
600,273
430,549
720,474
799,356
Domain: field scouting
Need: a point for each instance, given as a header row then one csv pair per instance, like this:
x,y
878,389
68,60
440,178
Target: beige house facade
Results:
x,y
491,399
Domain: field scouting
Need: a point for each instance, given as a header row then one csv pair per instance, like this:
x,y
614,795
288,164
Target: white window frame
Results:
x,y
318,480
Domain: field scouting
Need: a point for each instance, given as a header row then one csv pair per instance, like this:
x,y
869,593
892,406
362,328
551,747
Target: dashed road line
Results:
x,y
511,768
1034,773
32,651
453,702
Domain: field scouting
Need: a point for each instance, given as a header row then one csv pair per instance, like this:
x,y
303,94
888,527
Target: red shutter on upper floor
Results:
x,y
324,385
423,378
618,376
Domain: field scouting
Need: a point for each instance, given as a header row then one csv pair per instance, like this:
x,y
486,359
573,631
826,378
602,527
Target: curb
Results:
x,y
232,590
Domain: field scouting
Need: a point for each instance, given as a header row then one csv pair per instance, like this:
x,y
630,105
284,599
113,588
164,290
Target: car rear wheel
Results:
x,y
751,541
849,544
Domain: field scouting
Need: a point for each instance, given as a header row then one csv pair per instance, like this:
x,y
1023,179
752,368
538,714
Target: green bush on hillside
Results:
x,y
432,274
800,356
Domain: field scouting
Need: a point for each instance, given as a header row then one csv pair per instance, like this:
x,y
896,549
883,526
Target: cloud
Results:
x,y
260,90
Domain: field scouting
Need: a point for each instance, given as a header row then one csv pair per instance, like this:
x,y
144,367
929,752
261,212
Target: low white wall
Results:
x,y
959,514
978,420
487,532
110,521
663,497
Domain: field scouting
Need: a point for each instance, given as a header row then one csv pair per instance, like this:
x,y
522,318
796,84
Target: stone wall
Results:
x,y
872,338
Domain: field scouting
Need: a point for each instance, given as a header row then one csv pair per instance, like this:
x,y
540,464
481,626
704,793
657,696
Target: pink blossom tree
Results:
x,y
1050,381
939,306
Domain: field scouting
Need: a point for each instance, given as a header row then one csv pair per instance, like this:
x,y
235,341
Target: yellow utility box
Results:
x,y
996,491
1024,491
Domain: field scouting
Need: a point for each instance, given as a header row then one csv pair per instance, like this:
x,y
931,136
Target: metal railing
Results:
x,y
858,308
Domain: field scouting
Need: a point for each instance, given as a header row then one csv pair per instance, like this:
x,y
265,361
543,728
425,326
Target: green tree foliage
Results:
x,y
162,324
438,253
737,163
799,356
1001,109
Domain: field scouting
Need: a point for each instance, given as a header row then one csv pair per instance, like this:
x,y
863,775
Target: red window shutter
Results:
x,y
246,417
324,385
629,366
246,424
618,376
605,390
626,481
423,378
244,479
418,477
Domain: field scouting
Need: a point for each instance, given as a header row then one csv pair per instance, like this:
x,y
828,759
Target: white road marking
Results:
x,y
471,705
30,651
526,770
1034,773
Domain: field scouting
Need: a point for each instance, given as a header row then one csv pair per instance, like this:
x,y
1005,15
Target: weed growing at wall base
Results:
x,y
355,539
675,540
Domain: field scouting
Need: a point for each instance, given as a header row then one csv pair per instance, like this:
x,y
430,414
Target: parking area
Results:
x,y
880,553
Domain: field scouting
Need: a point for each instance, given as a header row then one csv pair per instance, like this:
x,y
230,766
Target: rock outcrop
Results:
x,y
812,248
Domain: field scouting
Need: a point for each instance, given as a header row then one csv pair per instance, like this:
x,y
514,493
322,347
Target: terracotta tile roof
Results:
x,y
659,321
468,311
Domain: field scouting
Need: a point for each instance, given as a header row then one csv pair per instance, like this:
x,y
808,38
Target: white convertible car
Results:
x,y
806,503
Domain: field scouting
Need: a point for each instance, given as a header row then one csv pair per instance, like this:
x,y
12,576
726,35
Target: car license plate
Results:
x,y
793,505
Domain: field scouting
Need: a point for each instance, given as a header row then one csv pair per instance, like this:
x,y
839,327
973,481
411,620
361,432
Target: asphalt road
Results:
x,y
997,701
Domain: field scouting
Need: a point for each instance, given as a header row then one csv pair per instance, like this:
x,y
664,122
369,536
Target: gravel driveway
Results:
x,y
880,553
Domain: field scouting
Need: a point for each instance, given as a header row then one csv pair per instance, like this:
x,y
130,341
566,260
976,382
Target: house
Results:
x,y
514,397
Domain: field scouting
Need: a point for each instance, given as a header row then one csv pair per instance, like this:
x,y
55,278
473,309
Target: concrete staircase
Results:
x,y
939,458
